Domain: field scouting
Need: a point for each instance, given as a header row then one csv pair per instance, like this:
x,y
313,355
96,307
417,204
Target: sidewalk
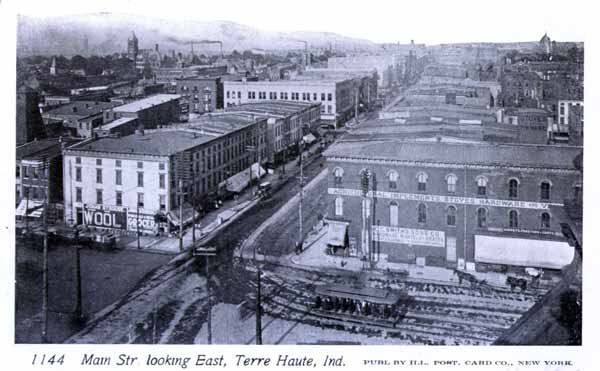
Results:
x,y
314,256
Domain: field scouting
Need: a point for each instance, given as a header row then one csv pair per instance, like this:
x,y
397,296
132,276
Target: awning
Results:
x,y
336,234
523,252
34,208
309,138
240,180
173,216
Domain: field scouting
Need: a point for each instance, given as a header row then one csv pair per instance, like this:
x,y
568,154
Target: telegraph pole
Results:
x,y
258,309
193,208
180,215
45,266
137,223
300,235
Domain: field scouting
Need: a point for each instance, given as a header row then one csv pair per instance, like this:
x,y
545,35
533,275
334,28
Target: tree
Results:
x,y
78,62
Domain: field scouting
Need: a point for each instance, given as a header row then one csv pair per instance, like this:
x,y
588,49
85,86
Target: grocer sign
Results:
x,y
146,222
105,218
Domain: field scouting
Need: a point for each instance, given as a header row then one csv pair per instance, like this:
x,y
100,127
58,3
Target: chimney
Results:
x,y
156,47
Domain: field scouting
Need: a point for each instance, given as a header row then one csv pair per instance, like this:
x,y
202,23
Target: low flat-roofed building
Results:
x,y
452,204
151,112
79,118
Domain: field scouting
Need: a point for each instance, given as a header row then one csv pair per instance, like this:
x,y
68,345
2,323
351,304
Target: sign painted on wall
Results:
x,y
446,199
409,236
146,222
96,217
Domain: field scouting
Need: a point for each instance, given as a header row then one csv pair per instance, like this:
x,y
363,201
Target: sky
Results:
x,y
429,22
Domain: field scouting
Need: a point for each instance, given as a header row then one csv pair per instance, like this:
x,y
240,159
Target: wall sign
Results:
x,y
105,218
409,236
446,199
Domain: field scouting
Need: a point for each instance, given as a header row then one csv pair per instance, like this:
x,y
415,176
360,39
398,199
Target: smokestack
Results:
x,y
156,47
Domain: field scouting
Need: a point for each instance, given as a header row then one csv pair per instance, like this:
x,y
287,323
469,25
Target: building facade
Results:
x,y
136,181
202,94
455,205
288,122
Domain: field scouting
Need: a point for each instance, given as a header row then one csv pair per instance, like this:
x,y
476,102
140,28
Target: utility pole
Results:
x,y
45,265
356,105
137,223
26,210
207,251
258,309
193,207
78,306
301,234
180,215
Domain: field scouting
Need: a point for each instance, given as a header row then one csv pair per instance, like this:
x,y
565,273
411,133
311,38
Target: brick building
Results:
x,y
150,112
288,122
79,118
202,94
471,206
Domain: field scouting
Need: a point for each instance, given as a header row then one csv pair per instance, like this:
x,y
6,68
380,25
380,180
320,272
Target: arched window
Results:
x,y
482,185
513,188
545,190
339,206
421,181
393,178
451,216
481,217
338,174
451,179
545,220
422,213
394,214
513,219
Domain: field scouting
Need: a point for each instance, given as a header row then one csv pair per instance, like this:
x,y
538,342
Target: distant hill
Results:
x,y
107,33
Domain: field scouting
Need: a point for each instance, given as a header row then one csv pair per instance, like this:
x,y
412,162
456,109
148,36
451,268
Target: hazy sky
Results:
x,y
430,22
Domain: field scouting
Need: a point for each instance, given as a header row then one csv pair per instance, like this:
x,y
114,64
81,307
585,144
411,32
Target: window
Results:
x,y
26,172
35,172
329,97
545,221
339,206
99,176
162,202
117,163
161,181
78,194
140,165
78,160
99,197
77,174
98,162
421,182
322,96
513,219
451,216
481,218
578,192
239,95
393,178
118,177
140,179
513,188
482,186
393,214
338,175
545,190
140,200
451,181
119,198
422,213
18,171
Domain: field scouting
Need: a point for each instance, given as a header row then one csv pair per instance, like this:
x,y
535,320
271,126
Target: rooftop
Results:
x,y
148,102
42,148
537,156
157,143
116,123
81,108
280,108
